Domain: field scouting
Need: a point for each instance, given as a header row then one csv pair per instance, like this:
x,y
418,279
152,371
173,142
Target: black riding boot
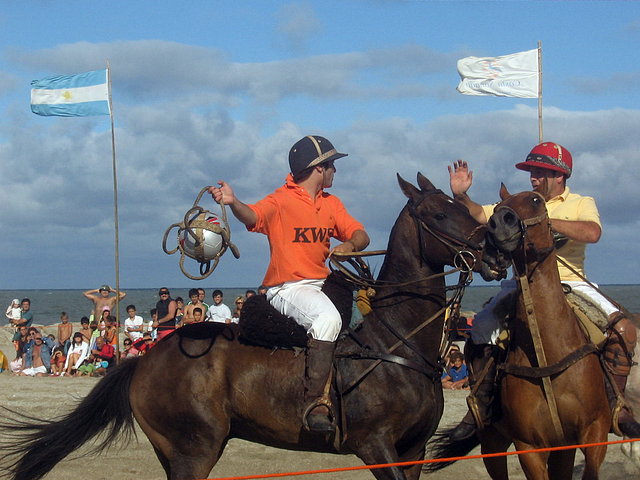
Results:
x,y
317,416
618,357
482,395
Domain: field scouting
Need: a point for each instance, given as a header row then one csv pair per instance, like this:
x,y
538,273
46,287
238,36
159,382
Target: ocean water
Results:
x,y
48,304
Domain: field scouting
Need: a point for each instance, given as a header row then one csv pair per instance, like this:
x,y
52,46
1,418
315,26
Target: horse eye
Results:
x,y
535,200
440,216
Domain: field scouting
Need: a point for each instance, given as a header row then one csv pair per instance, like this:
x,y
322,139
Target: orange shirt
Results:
x,y
299,231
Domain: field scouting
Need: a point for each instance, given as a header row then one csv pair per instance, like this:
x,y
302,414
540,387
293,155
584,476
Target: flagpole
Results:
x,y
115,216
540,91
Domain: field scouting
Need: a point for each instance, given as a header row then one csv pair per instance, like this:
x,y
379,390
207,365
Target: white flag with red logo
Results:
x,y
514,75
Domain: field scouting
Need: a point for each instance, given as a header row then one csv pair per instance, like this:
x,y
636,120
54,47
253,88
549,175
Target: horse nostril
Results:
x,y
509,218
492,223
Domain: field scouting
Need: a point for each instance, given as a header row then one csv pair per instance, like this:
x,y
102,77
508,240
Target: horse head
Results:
x,y
452,235
520,226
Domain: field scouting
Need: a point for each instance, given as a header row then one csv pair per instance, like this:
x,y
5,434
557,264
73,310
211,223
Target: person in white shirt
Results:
x,y
134,325
218,312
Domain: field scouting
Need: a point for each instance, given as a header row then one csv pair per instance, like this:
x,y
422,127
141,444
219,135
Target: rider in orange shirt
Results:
x,y
299,219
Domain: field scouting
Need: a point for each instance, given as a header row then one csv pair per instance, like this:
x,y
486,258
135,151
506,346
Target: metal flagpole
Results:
x,y
115,216
540,91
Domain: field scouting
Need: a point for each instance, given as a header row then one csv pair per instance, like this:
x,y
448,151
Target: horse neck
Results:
x,y
556,321
412,294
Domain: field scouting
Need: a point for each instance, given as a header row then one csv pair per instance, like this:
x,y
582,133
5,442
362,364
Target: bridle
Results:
x,y
522,233
466,253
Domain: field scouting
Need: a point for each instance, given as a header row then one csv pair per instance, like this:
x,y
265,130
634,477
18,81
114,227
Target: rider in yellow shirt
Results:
x,y
576,218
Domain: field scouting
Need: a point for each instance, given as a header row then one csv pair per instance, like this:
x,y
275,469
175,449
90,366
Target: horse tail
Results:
x,y
441,446
38,445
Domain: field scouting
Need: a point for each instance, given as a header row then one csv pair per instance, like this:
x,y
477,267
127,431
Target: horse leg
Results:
x,y
534,465
493,441
593,458
383,452
561,464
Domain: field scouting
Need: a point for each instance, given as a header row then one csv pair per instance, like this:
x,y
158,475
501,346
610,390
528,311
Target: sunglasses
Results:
x,y
239,303
164,293
38,338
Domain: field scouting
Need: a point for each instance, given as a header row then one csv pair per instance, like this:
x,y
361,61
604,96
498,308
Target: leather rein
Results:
x,y
543,371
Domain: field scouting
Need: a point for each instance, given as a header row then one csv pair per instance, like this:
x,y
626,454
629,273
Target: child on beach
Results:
x,y
85,330
456,376
14,312
65,329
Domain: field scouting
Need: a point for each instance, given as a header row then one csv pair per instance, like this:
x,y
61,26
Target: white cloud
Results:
x,y
59,203
298,22
153,70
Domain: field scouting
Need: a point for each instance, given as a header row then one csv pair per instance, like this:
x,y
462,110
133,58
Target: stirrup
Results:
x,y
322,401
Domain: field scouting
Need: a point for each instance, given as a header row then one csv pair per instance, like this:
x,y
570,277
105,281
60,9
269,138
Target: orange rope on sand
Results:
x,y
407,464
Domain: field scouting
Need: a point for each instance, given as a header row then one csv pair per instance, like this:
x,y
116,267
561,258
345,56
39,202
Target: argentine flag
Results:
x,y
78,95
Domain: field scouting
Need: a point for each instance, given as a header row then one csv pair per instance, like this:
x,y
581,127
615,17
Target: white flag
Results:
x,y
514,75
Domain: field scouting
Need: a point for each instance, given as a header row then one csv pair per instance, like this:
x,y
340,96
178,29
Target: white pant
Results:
x,y
487,324
32,371
305,302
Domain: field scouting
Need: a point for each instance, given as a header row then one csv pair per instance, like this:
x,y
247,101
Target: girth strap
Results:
x,y
540,372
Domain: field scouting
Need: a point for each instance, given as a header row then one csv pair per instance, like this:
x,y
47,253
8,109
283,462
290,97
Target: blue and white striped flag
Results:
x,y
78,95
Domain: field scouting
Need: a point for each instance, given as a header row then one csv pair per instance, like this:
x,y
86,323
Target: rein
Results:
x,y
366,353
464,261
529,309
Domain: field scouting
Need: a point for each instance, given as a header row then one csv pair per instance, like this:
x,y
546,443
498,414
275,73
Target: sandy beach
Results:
x,y
53,396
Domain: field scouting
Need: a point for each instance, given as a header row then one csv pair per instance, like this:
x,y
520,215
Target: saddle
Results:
x,y
262,325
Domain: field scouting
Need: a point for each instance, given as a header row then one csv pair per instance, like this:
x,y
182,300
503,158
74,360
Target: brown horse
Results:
x,y
552,389
191,395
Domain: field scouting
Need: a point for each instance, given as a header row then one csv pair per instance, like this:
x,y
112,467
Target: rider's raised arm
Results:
x,y
224,193
460,180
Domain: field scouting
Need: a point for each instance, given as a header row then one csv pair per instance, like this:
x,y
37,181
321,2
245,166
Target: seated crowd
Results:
x,y
92,349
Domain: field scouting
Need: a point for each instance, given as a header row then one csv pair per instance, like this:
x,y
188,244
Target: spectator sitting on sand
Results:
x,y
128,350
100,358
456,376
144,344
78,352
37,356
58,359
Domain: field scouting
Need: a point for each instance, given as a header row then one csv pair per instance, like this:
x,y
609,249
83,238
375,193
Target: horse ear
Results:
x,y
504,193
424,183
409,190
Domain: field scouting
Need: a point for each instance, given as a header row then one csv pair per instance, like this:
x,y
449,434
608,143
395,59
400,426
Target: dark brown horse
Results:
x,y
190,395
552,389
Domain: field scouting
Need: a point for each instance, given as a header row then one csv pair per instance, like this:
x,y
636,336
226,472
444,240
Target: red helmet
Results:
x,y
550,156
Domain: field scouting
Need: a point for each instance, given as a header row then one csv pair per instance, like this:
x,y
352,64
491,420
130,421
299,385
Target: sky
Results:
x,y
214,90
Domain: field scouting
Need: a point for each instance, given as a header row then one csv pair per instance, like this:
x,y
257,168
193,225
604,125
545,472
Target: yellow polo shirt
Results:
x,y
568,206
